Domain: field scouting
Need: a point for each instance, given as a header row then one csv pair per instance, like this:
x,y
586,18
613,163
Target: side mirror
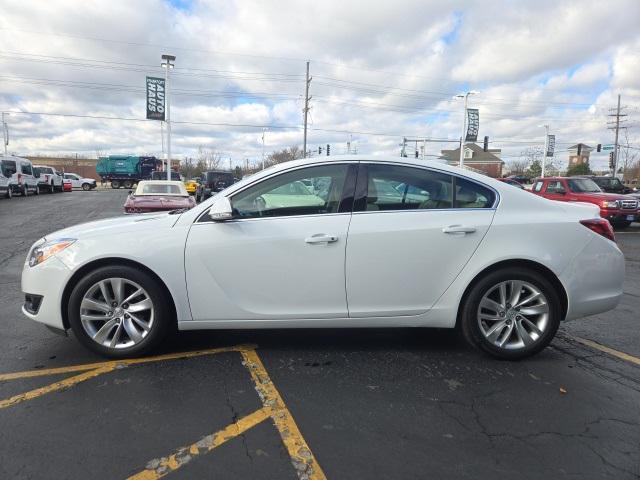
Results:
x,y
221,210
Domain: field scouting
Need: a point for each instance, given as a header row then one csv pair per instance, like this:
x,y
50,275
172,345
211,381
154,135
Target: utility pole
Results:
x,y
617,128
167,59
5,134
306,111
546,146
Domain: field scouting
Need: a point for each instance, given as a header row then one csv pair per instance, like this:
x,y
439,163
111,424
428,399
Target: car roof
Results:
x,y
160,182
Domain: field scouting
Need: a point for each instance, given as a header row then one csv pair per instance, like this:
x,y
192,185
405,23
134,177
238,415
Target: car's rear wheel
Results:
x,y
511,313
37,190
25,190
119,312
115,184
127,184
51,188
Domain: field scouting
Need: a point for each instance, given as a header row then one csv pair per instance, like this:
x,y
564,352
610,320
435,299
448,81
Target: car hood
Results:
x,y
602,196
125,223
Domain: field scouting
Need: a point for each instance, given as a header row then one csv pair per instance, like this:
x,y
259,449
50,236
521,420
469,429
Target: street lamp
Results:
x,y
166,63
546,147
464,122
5,133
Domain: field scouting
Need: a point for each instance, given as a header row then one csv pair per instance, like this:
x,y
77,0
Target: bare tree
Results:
x,y
291,153
518,167
628,158
208,159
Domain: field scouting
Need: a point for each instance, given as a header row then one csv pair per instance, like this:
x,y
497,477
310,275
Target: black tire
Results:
x,y
115,184
51,188
25,190
127,184
9,194
163,322
86,187
37,190
622,224
469,324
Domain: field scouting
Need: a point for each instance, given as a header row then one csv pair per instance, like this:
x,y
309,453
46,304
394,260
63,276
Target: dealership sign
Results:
x,y
551,145
155,98
473,124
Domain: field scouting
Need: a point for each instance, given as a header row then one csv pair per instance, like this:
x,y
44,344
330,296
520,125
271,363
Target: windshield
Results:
x,y
160,189
45,170
8,167
583,185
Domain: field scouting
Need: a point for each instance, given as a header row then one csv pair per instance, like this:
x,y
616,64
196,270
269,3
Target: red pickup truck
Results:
x,y
620,210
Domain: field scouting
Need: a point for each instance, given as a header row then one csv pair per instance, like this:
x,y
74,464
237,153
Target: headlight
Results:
x,y
41,252
607,204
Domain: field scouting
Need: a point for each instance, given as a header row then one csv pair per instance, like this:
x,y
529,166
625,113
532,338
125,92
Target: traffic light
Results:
x,y
319,150
612,165
328,149
416,153
485,147
599,148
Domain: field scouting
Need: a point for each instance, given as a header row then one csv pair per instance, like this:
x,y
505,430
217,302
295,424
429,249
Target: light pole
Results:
x,y
546,146
5,133
464,123
166,63
263,132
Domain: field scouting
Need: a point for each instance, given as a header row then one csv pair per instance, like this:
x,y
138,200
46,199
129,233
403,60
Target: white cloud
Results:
x,y
380,68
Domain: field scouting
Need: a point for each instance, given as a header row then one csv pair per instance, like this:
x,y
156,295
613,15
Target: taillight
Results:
x,y
19,179
600,226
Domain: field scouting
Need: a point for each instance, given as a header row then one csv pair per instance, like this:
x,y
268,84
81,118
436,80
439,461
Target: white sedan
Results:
x,y
461,250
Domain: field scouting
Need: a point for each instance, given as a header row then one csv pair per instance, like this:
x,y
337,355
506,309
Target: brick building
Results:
x,y
85,167
476,158
578,158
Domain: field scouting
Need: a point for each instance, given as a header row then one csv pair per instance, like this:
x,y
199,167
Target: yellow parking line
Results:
x,y
162,466
124,362
302,458
610,351
67,382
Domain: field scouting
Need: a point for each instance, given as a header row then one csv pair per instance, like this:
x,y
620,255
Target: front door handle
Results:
x,y
458,229
321,238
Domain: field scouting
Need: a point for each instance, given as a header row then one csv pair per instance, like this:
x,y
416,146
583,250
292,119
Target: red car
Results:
x,y
620,210
158,196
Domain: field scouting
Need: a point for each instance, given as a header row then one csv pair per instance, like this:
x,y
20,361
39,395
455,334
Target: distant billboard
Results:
x,y
155,98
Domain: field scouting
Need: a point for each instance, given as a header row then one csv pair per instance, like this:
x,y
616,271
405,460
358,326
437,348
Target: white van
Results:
x,y
22,177
5,190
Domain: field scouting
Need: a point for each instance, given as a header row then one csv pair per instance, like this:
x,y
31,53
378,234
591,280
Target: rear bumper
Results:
x,y
594,279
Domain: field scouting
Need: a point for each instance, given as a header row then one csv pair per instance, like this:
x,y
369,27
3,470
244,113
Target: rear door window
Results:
x,y
26,169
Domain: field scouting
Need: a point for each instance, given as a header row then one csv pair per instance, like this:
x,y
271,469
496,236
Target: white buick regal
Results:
x,y
328,243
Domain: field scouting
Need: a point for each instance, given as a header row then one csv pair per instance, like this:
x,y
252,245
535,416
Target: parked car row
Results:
x,y
18,176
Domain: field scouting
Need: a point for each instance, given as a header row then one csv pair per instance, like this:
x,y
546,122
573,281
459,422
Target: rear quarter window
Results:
x,y
469,194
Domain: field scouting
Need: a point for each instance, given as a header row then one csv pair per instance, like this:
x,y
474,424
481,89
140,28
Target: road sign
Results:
x,y
607,147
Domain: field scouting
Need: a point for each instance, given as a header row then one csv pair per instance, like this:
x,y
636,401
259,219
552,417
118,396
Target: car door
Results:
x,y
406,248
555,190
280,257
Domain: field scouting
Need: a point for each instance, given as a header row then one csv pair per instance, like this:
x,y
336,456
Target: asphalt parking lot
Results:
x,y
355,404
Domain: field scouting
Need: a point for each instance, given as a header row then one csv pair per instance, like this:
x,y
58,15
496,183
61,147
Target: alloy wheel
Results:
x,y
117,313
513,314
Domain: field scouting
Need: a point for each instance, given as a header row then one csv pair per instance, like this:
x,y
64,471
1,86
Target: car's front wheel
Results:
x,y
119,312
511,313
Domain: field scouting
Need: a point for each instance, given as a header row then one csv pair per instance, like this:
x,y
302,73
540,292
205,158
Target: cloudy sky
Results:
x,y
381,71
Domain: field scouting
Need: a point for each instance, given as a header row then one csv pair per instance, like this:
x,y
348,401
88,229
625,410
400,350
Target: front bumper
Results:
x,y
46,280
618,216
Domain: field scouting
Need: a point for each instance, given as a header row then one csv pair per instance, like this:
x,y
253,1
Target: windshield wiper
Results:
x,y
178,210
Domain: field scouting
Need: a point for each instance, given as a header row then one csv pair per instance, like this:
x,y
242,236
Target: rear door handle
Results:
x,y
458,229
321,238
